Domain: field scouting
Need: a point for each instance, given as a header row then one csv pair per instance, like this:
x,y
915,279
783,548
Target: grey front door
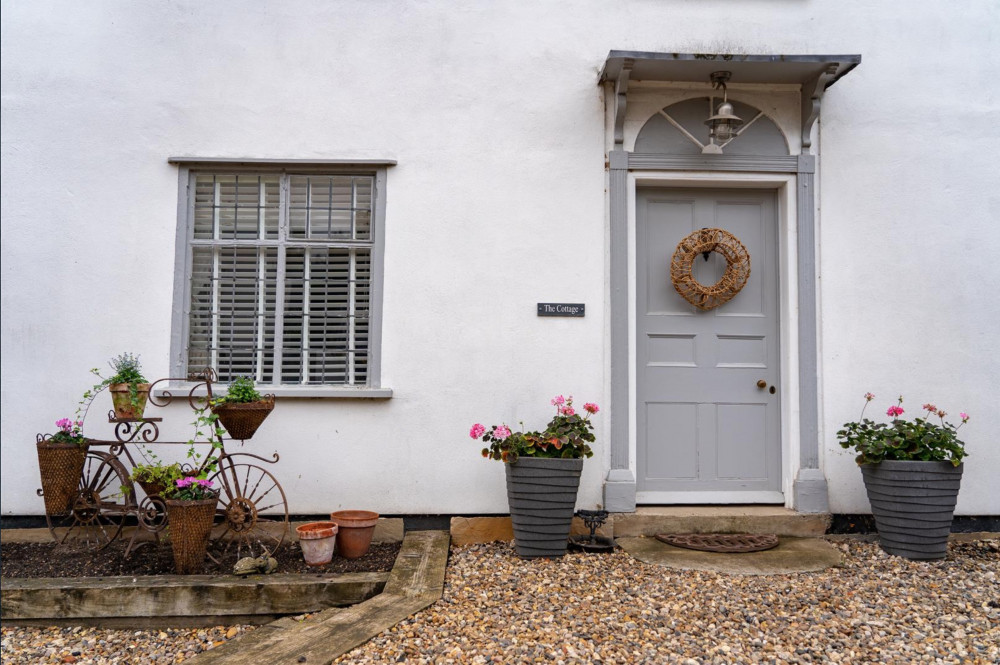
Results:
x,y
706,432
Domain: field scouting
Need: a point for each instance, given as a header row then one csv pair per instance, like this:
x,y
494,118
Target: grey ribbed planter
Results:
x,y
913,504
541,493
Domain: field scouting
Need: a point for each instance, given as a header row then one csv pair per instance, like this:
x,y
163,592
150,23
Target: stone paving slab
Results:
x,y
416,582
792,555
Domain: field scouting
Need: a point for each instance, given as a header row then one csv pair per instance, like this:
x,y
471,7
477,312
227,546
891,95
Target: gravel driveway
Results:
x,y
614,609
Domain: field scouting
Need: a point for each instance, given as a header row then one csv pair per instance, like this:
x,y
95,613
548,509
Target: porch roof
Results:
x,y
696,67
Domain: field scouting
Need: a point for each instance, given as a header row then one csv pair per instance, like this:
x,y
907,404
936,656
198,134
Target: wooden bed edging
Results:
x,y
56,600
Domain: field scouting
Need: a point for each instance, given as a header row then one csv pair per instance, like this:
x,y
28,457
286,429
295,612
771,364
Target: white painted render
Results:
x,y
495,117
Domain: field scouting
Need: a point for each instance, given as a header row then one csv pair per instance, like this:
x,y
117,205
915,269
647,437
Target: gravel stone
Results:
x,y
613,609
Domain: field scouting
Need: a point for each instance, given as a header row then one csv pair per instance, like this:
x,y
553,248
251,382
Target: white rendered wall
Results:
x,y
498,202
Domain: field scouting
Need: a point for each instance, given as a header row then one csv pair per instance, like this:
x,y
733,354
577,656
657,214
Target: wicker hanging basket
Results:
x,y
703,242
242,420
60,465
190,526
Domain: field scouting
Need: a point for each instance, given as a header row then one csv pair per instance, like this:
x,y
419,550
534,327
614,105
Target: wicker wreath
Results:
x,y
702,242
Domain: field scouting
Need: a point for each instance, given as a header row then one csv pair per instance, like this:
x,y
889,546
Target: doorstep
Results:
x,y
651,520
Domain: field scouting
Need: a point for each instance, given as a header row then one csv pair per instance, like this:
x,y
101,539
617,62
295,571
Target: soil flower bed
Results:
x,y
36,560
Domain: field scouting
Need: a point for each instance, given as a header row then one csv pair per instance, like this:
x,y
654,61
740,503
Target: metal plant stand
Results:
x,y
251,516
593,519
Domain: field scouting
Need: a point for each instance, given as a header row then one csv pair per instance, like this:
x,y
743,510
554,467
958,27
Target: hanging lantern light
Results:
x,y
723,125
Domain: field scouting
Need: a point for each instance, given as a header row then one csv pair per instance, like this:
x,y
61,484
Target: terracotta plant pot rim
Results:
x,y
316,530
354,519
139,387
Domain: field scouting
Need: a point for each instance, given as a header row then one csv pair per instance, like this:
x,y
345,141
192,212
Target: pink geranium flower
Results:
x,y
894,411
567,411
558,400
501,432
964,416
591,408
476,431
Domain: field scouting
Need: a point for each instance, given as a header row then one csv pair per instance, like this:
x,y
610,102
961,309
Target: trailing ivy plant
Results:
x,y
155,470
207,427
920,439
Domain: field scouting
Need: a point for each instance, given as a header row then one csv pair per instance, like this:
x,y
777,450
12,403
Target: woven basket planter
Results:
x,y
913,504
121,398
190,524
541,493
60,465
151,487
242,420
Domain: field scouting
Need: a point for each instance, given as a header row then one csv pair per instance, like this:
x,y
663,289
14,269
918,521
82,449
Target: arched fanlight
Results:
x,y
722,126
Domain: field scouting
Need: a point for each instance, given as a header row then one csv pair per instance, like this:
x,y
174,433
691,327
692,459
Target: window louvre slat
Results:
x,y
281,277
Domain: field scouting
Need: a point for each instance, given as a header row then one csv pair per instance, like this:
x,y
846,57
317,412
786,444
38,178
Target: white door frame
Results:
x,y
785,188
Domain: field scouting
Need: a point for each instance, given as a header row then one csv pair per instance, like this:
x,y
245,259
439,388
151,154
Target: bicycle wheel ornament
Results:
x,y
253,509
97,512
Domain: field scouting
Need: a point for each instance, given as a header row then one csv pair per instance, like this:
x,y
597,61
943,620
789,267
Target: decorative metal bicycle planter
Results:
x,y
251,516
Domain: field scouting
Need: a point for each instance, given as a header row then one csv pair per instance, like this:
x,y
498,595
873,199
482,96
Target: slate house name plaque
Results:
x,y
561,309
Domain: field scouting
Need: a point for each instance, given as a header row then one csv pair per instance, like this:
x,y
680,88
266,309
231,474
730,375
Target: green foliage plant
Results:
x,y
154,470
127,369
240,391
567,436
920,439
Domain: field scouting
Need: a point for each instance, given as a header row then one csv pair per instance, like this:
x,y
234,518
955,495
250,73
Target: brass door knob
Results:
x,y
761,383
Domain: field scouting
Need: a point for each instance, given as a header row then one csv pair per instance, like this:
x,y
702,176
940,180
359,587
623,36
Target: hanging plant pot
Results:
x,y
121,398
541,493
190,524
151,487
241,420
354,534
913,503
60,465
317,540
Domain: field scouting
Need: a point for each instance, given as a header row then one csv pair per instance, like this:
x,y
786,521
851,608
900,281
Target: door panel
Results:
x,y
703,424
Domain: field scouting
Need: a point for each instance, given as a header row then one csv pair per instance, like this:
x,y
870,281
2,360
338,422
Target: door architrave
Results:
x,y
803,481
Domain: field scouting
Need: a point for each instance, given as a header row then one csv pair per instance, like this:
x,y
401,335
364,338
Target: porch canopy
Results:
x,y
815,73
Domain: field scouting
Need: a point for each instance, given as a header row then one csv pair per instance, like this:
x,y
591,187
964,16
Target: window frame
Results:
x,y
188,168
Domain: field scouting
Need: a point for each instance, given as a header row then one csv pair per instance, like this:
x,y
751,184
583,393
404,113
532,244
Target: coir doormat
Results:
x,y
732,543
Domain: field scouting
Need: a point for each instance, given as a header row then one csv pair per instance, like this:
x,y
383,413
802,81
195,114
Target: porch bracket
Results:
x,y
812,98
621,100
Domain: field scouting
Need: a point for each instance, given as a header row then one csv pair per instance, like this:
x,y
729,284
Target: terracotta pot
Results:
x,y
122,400
190,524
60,465
317,540
354,536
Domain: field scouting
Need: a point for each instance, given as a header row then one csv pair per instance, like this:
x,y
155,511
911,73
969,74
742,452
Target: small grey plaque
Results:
x,y
561,309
